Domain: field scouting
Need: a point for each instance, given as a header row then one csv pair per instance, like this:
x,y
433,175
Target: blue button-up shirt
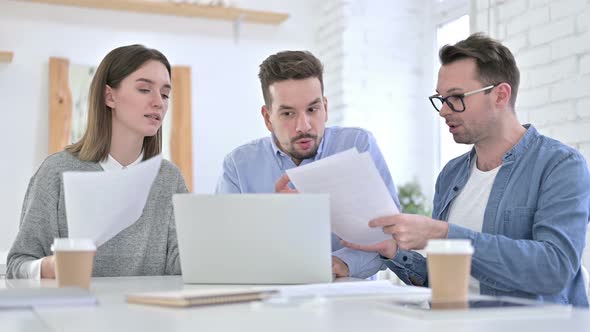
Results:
x,y
256,166
534,225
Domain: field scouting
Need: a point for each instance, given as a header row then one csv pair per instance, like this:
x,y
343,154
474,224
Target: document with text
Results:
x,y
99,205
357,193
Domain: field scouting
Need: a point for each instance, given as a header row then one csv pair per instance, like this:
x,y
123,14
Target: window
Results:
x,y
450,33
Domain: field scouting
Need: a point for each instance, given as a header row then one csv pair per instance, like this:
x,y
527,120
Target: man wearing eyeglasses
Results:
x,y
522,198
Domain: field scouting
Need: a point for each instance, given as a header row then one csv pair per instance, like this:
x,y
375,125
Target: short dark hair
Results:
x,y
121,62
495,63
288,65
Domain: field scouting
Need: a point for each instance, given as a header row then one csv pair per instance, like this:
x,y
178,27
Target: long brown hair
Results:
x,y
95,144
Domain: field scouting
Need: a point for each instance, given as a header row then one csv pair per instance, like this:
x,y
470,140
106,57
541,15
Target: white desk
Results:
x,y
113,314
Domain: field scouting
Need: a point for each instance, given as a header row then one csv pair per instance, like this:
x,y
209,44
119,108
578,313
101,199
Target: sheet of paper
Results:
x,y
354,288
99,205
357,193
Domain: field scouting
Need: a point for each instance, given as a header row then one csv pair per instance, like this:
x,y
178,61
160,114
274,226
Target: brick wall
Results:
x,y
379,62
380,59
551,43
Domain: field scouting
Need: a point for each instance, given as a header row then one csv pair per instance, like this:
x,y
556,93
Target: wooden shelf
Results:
x,y
6,56
178,9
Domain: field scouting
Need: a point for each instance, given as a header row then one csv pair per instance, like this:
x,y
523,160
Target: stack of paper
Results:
x,y
99,205
357,193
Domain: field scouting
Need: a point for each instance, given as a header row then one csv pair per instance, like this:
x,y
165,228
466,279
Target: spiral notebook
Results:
x,y
191,298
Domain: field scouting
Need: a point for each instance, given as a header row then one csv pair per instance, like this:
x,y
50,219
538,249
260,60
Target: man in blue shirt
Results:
x,y
522,198
295,112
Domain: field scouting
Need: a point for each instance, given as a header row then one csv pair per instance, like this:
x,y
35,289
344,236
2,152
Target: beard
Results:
x,y
463,139
303,155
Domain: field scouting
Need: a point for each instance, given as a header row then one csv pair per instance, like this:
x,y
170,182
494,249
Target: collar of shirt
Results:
x,y
518,149
523,144
111,164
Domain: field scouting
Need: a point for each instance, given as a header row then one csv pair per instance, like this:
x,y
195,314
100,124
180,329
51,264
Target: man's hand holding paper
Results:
x,y
357,194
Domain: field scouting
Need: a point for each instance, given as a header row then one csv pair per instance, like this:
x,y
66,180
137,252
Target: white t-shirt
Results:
x,y
468,208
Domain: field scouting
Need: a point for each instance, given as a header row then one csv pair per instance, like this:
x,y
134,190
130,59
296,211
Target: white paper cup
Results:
x,y
449,268
74,259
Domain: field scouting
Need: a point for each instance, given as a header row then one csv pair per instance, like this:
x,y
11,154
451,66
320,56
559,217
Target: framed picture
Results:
x,y
68,108
80,77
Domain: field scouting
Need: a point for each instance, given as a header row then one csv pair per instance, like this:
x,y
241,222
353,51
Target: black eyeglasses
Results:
x,y
456,102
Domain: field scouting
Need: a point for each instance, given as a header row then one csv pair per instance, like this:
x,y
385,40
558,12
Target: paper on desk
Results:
x,y
99,205
357,193
354,288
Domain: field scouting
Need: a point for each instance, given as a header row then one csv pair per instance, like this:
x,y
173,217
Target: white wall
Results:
x,y
551,43
379,61
226,93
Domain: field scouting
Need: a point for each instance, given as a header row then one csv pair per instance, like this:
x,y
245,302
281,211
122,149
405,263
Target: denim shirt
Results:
x,y
256,166
534,225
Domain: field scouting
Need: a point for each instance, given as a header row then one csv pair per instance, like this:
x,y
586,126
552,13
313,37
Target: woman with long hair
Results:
x,y
128,101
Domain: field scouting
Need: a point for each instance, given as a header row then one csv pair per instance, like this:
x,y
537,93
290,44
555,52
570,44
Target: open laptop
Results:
x,y
254,238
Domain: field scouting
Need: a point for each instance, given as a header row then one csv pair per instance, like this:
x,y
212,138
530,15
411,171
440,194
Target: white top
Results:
x,y
33,268
468,208
111,164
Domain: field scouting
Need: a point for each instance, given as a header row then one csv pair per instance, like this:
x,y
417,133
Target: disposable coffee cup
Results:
x,y
449,268
74,259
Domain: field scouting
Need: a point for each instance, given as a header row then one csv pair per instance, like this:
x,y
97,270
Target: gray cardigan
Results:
x,y
148,247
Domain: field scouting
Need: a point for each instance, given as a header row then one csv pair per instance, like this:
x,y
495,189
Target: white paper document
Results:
x,y
357,193
354,288
99,205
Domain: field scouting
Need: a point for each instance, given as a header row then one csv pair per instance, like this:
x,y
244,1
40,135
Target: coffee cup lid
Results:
x,y
66,244
449,246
